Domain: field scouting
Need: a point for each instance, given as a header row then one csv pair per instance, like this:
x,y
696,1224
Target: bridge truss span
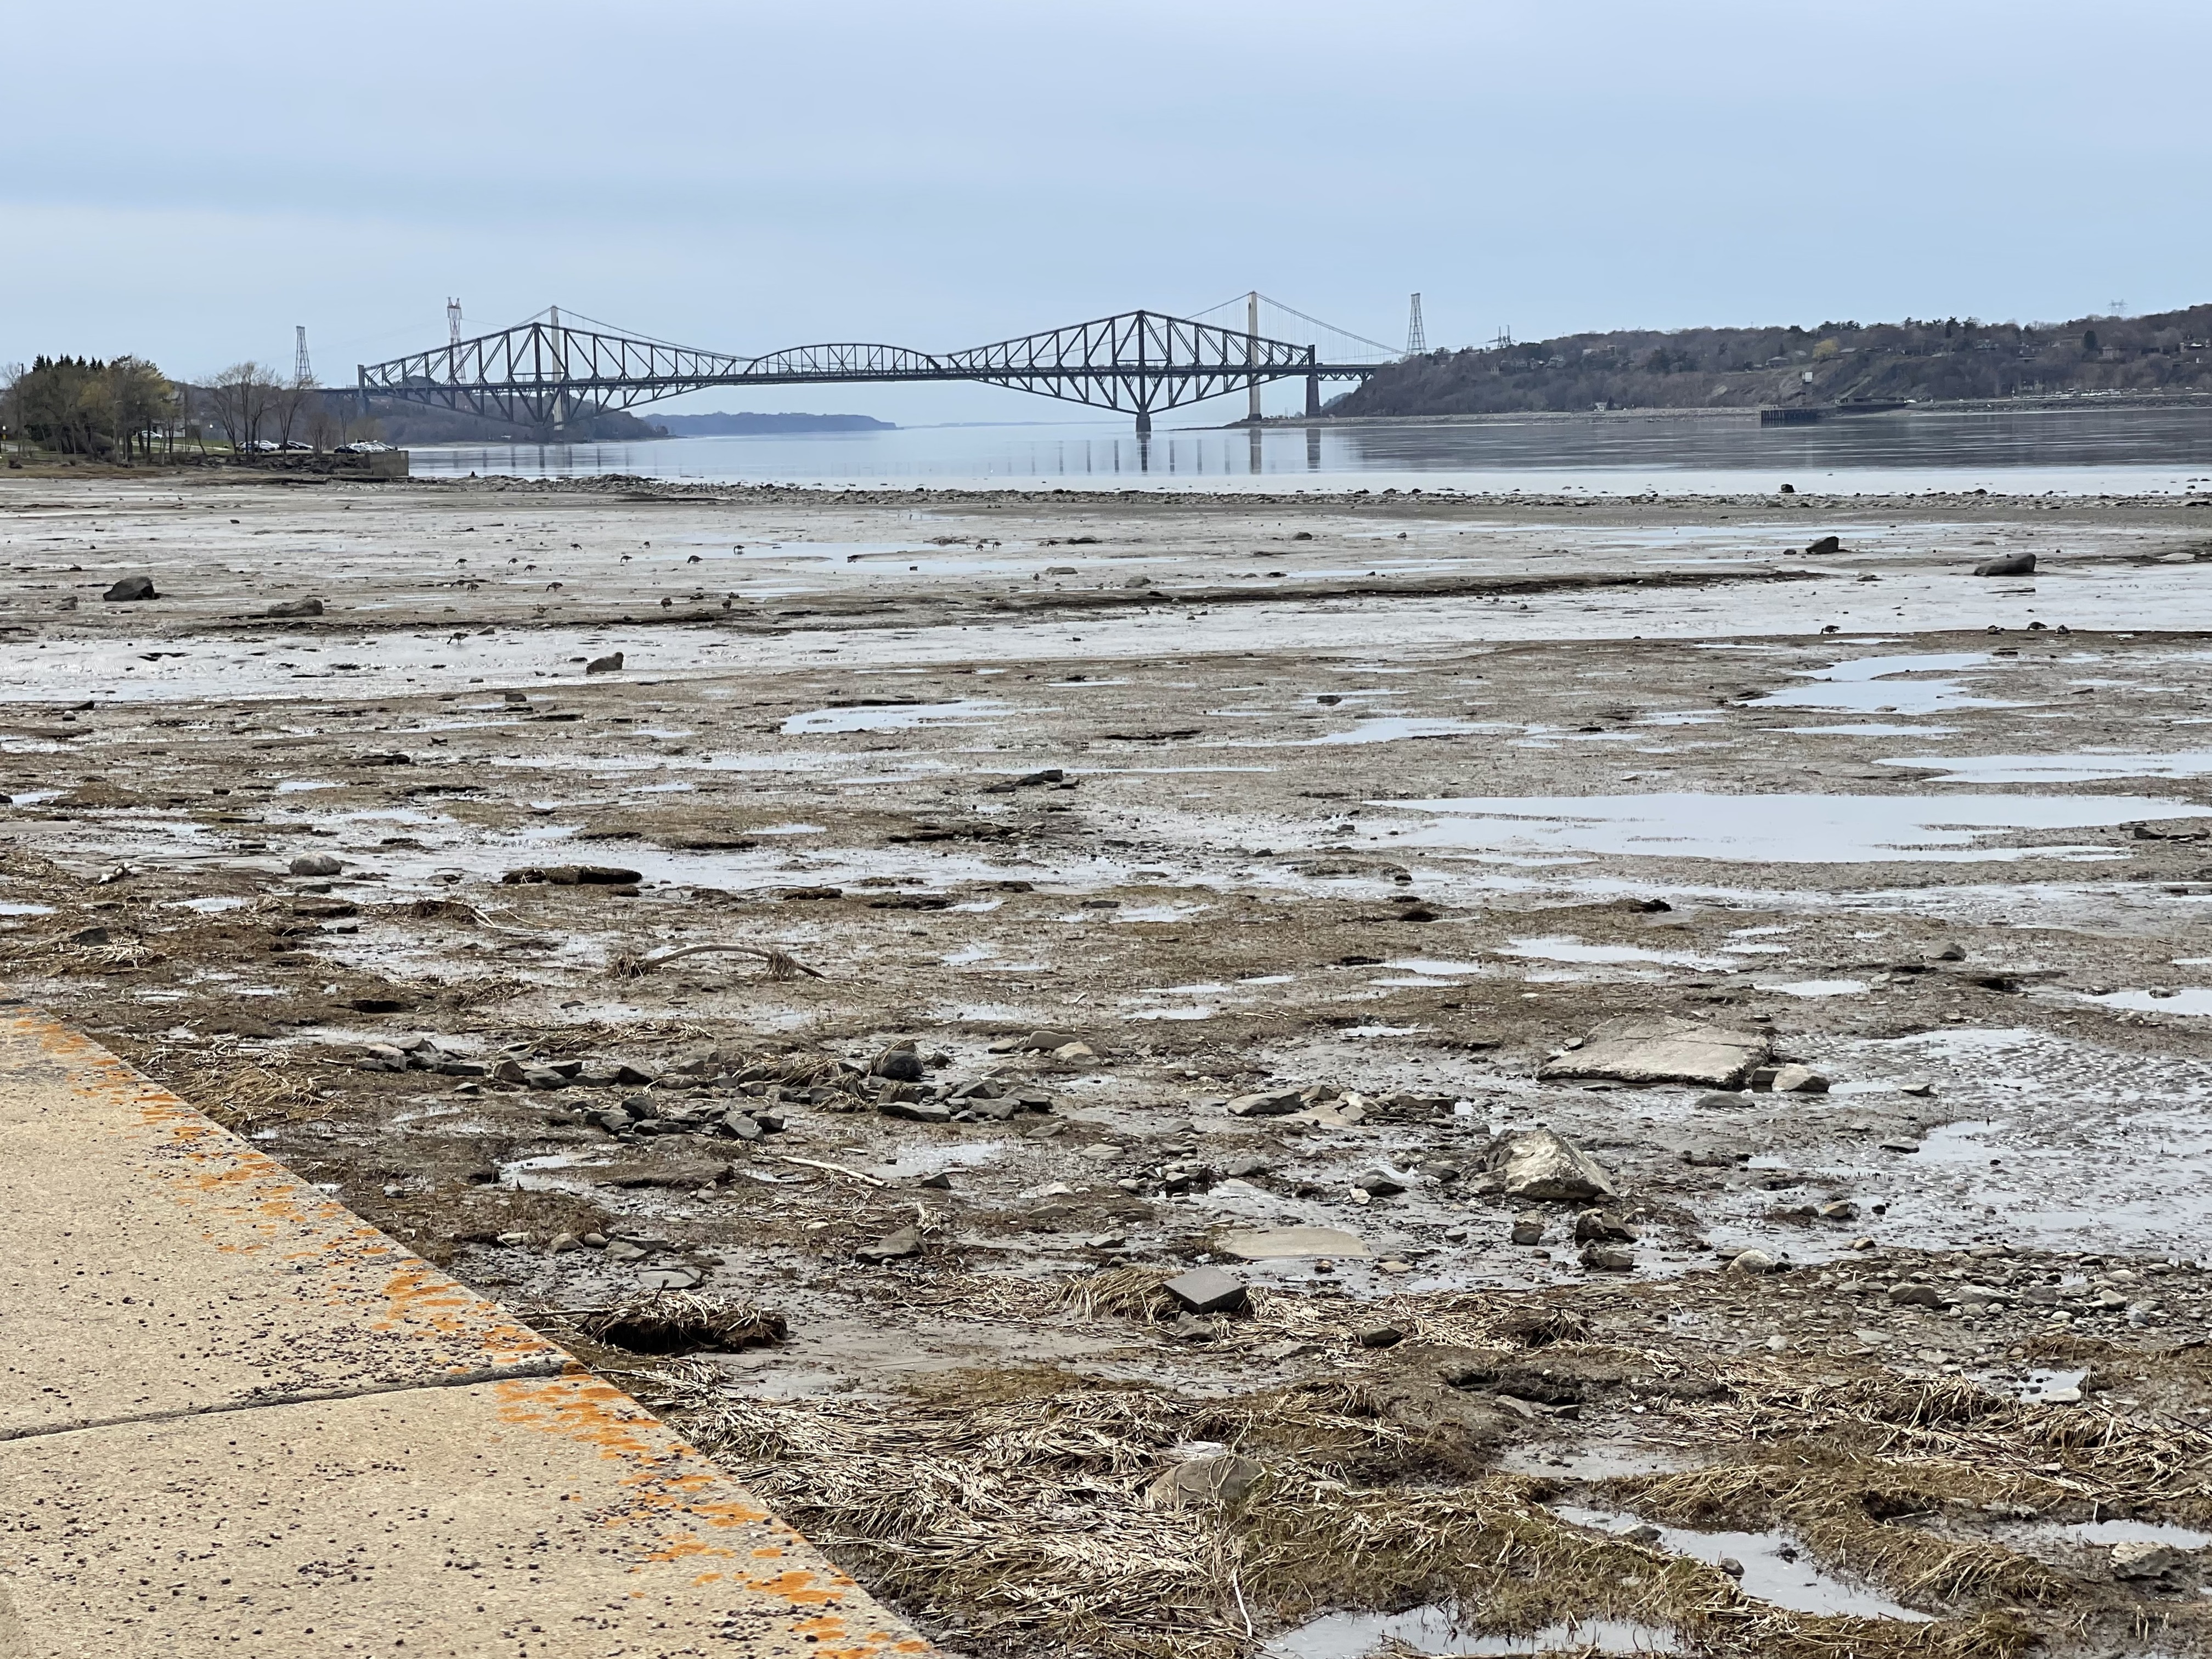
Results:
x,y
545,373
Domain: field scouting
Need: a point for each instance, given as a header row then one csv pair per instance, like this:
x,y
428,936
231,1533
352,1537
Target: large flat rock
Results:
x,y
153,1263
1663,1050
535,1518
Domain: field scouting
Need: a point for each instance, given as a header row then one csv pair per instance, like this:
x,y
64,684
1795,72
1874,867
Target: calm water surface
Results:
x,y
2072,451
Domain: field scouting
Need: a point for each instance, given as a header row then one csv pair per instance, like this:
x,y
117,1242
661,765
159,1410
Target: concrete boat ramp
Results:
x,y
236,1420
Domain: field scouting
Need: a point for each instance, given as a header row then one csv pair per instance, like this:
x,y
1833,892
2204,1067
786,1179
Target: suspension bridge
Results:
x,y
547,372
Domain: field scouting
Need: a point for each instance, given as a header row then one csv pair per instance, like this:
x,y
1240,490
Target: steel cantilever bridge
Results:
x,y
543,373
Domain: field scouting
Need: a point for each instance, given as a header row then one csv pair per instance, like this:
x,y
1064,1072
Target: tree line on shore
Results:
x,y
125,409
1921,360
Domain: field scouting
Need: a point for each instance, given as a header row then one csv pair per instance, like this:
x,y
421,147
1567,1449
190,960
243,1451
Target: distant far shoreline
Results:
x,y
2058,402
747,425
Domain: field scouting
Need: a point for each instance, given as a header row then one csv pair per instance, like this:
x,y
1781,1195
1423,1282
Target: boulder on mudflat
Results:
x,y
1663,1050
1540,1166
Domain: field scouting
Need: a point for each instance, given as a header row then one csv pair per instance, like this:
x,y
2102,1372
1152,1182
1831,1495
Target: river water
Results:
x,y
2070,450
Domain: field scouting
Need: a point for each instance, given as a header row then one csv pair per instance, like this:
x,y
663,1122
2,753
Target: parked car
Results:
x,y
295,447
365,447
264,445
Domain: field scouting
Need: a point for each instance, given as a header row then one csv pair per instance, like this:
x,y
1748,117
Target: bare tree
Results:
x,y
289,405
239,398
11,404
326,421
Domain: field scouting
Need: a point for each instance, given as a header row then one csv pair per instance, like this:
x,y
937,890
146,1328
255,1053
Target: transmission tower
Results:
x,y
1416,338
303,374
453,322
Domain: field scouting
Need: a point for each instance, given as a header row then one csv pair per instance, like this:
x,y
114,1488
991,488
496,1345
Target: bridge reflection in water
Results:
x,y
1014,456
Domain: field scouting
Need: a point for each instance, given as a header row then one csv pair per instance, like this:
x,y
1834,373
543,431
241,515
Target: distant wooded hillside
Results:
x,y
1722,368
404,423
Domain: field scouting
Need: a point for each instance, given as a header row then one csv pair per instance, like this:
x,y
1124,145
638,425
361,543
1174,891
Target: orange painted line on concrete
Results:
x,y
662,1506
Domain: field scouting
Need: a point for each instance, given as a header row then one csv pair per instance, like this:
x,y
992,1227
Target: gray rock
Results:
x,y
1220,1478
1528,1230
1754,1261
1596,1227
1281,1103
132,587
1380,1182
1664,1049
892,1246
1378,1336
1797,1080
2011,564
1910,1295
610,664
295,608
901,1063
1608,1259
1723,1102
315,864
915,1111
1294,1243
1207,1289
1540,1166
2139,1558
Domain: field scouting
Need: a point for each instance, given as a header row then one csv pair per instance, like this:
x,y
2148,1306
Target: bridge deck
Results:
x,y
235,1418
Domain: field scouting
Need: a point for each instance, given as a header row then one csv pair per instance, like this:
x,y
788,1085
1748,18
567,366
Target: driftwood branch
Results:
x,y
781,964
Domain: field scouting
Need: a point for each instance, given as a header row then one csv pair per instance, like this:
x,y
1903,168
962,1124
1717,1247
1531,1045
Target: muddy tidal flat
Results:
x,y
1183,1076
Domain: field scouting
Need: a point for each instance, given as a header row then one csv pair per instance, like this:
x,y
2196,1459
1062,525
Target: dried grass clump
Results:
x,y
241,1094
2132,1465
1843,1511
1127,1292
683,1322
445,909
1011,1505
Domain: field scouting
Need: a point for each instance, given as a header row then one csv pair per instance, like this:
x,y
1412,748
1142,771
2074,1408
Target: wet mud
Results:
x,y
957,919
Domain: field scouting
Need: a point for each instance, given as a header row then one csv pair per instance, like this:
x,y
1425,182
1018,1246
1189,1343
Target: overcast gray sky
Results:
x,y
188,182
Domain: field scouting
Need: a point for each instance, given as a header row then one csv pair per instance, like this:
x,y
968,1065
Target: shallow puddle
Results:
x,y
1870,685
1435,1630
1814,987
1780,829
2188,999
2058,769
892,717
1776,1568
